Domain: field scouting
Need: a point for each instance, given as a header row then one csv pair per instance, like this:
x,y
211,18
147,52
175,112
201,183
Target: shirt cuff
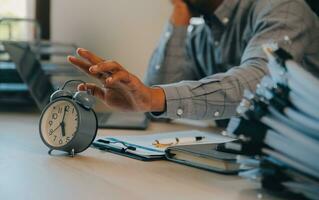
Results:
x,y
177,106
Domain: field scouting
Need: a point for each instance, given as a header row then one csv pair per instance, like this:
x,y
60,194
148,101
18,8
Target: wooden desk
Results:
x,y
28,172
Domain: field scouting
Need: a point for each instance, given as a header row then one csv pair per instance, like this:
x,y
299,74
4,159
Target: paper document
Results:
x,y
143,144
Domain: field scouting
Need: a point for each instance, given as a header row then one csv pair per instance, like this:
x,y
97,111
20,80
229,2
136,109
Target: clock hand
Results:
x,y
56,128
64,114
63,129
62,124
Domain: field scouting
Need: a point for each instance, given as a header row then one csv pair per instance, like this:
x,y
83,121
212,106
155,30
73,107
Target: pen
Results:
x,y
174,141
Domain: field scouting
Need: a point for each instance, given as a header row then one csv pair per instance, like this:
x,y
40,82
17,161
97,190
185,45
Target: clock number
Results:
x,y
67,139
54,116
72,110
67,108
60,141
60,110
54,138
50,123
51,132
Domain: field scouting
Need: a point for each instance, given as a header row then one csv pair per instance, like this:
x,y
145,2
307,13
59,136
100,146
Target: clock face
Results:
x,y
59,123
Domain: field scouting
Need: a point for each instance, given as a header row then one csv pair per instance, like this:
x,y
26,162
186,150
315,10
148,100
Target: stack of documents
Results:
x,y
279,124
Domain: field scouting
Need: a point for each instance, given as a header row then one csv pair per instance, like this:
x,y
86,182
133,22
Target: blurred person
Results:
x,y
202,65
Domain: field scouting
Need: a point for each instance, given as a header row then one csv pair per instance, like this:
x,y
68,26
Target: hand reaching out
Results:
x,y
122,90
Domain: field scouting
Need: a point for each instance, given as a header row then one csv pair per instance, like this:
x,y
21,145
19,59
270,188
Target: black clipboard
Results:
x,y
102,145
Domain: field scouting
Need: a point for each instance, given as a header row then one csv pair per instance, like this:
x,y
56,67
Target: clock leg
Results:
x,y
50,151
72,153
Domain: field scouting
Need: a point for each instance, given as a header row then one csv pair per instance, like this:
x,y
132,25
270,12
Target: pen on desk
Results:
x,y
174,141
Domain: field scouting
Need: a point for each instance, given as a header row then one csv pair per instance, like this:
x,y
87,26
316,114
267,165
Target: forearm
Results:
x,y
214,97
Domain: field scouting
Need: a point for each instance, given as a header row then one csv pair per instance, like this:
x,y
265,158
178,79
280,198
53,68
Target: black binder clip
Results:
x,y
282,56
127,147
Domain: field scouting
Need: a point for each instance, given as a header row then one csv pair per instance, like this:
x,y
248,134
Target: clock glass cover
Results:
x,y
59,123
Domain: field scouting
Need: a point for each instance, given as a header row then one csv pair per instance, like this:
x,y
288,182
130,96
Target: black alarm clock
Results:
x,y
68,123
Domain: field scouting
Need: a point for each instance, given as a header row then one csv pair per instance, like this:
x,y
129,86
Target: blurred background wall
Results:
x,y
122,30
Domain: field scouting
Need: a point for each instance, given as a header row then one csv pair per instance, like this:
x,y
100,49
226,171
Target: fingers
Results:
x,y
93,89
79,63
89,56
110,73
117,78
108,67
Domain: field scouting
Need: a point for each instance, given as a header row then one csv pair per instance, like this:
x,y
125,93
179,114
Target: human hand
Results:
x,y
181,14
122,90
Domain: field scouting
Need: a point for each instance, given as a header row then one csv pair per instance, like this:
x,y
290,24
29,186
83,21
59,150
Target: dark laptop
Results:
x,y
40,88
30,71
